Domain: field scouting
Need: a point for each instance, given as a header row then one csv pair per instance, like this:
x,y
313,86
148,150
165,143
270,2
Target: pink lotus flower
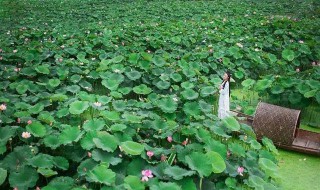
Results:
x,y
3,107
297,70
60,60
210,50
26,135
29,121
98,104
15,51
147,173
144,178
163,157
17,69
185,142
313,63
38,188
240,170
89,154
18,120
150,154
16,188
1,58
1,50
228,153
301,42
169,139
239,45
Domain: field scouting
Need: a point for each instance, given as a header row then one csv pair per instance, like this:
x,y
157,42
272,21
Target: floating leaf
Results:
x,y
167,105
162,85
94,125
24,178
37,129
54,82
44,69
190,94
78,107
102,174
177,173
105,141
142,89
69,135
132,148
158,61
191,108
133,75
110,115
199,162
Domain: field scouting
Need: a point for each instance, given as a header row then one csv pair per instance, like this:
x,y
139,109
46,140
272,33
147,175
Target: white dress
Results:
x,y
224,102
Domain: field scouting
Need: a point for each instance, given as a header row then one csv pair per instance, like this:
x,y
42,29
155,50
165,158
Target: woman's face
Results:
x,y
225,76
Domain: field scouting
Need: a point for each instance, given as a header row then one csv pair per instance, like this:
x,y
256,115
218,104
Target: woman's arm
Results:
x,y
225,90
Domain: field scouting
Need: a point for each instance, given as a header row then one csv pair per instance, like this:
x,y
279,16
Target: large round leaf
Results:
x,y
78,107
231,123
191,108
94,125
217,162
207,90
133,75
3,175
167,105
24,178
70,134
199,162
105,141
102,174
133,183
37,129
177,173
142,89
288,54
132,148
41,161
190,94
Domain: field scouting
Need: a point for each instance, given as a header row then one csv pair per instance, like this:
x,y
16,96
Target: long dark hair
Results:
x,y
224,82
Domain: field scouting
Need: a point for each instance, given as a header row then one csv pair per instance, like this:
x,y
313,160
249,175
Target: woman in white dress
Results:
x,y
224,98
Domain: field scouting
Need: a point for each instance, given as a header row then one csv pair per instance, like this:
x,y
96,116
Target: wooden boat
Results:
x,y
281,125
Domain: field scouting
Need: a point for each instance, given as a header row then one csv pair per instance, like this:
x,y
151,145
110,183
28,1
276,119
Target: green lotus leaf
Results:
x,y
176,77
268,165
102,174
187,85
190,94
51,141
217,162
187,184
313,84
247,83
75,78
43,69
117,59
3,175
61,162
110,115
111,84
304,49
207,91
272,57
133,58
54,82
237,149
205,107
255,144
105,141
105,157
177,173
231,182
6,133
263,84
166,186
295,98
133,75
71,51
310,94
94,125
46,117
41,161
176,39
142,89
37,129
239,74
69,135
287,82
59,97
119,105
162,85
132,148
22,88
199,162
118,127
78,107
36,108
302,88
104,99
277,89
47,172
133,183
256,182
104,65
125,90
87,141
269,144
231,123
191,108
61,183
318,97
132,118
86,166
158,61
167,105
146,56
24,178
84,96
288,54
73,88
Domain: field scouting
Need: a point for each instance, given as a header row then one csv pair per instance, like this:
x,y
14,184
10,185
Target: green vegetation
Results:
x,y
120,94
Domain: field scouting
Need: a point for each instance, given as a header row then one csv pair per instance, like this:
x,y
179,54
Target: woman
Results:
x,y
224,98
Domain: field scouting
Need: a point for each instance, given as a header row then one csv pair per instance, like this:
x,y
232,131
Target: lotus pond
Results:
x,y
121,94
